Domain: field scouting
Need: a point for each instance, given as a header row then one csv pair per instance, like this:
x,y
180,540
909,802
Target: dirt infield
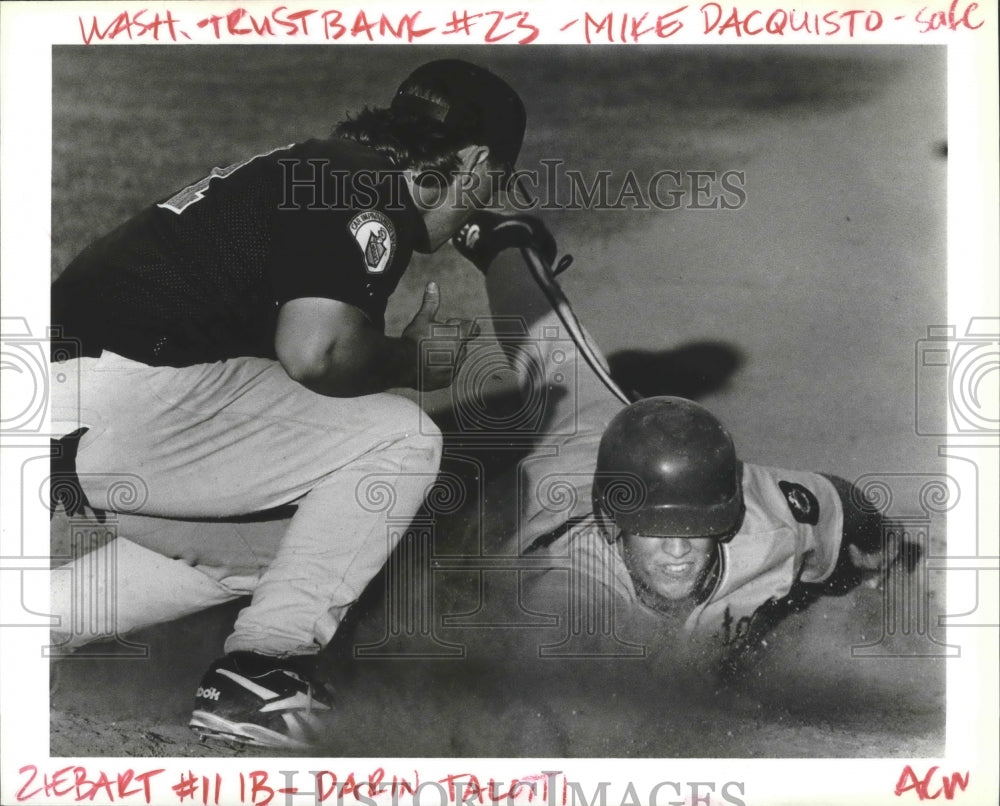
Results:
x,y
795,316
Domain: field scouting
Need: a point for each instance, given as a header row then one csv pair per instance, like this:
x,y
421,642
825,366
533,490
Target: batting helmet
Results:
x,y
469,99
666,467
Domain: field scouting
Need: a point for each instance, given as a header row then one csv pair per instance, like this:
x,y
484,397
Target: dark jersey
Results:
x,y
200,276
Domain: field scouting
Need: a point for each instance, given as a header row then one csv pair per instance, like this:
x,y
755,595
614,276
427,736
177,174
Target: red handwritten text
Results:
x,y
327,785
259,792
241,23
782,21
80,784
497,25
198,786
910,781
951,19
716,17
259,789
626,28
133,26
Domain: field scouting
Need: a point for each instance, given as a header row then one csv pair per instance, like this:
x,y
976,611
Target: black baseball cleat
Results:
x,y
251,699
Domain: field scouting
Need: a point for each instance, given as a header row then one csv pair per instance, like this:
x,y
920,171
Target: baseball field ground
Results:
x,y
787,285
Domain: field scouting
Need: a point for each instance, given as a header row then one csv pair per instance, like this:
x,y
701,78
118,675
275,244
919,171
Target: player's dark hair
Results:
x,y
410,142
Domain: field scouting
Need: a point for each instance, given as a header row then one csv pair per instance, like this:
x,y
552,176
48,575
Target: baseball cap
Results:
x,y
471,100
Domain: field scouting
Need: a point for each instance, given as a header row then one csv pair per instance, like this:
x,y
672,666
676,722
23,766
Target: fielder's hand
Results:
x,y
442,345
486,234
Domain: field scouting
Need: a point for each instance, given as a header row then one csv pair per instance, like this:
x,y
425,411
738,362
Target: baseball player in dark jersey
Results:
x,y
231,359
647,526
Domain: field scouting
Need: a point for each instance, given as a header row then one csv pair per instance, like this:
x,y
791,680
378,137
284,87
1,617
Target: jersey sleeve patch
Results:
x,y
375,235
801,501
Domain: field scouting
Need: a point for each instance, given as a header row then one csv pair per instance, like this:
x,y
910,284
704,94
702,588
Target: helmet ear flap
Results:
x,y
743,505
624,493
728,537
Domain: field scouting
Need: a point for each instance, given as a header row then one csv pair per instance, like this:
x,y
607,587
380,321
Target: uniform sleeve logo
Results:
x,y
802,503
376,237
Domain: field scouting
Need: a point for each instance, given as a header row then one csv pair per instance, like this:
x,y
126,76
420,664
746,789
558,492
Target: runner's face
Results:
x,y
671,567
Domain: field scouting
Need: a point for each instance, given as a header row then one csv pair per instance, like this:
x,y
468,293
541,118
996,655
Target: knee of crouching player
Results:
x,y
406,424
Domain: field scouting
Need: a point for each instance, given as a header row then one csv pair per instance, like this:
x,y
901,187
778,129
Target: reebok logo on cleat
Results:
x,y
207,693
300,701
